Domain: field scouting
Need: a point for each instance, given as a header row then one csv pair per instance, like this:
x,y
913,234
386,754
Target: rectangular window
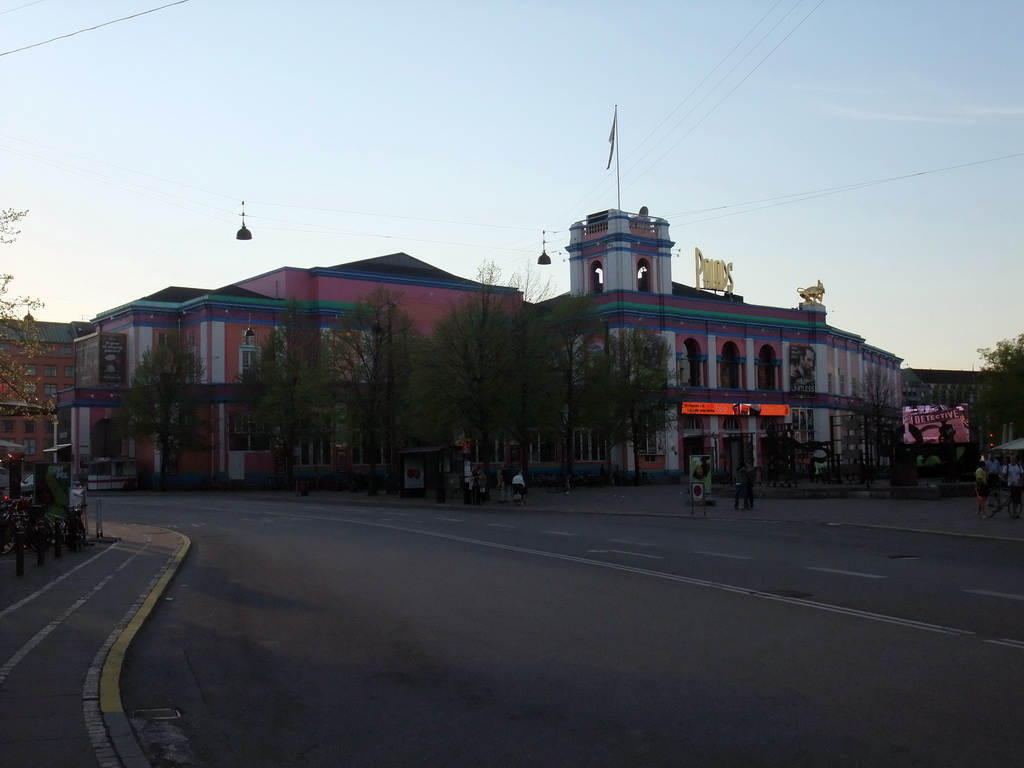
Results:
x,y
29,426
249,357
803,424
50,389
588,446
49,370
30,446
8,426
30,370
65,350
542,451
246,435
653,445
69,371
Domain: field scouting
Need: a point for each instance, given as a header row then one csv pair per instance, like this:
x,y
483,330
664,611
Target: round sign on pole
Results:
x,y
697,491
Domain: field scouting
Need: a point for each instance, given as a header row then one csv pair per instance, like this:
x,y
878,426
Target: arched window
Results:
x,y
689,370
693,424
596,277
767,376
731,424
729,367
643,276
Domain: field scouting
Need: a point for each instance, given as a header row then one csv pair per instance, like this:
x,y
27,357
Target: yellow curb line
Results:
x,y
110,677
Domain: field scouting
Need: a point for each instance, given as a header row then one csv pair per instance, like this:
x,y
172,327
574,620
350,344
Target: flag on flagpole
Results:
x,y
611,136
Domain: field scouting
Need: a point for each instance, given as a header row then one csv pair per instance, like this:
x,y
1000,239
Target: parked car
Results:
x,y
28,485
5,481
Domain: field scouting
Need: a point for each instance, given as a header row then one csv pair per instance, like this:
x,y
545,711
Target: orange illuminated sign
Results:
x,y
734,409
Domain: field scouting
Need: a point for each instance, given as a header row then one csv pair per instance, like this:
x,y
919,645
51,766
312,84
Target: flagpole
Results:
x,y
613,139
618,189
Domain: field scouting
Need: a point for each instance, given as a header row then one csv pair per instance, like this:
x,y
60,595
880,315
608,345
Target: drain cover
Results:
x,y
163,713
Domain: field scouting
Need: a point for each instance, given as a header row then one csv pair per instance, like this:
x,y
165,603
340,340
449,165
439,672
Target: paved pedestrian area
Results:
x,y
64,628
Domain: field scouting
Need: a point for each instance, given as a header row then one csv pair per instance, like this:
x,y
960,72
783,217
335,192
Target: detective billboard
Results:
x,y
936,424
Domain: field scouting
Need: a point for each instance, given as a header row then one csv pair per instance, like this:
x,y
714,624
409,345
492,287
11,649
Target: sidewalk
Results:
x,y
64,628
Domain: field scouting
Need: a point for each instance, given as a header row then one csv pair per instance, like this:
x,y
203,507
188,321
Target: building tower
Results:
x,y
617,251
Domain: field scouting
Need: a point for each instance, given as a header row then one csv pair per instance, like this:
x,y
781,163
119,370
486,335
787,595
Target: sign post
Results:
x,y
700,481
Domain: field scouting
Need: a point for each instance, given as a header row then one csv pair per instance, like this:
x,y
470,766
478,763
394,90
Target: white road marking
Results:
x,y
449,519
499,525
722,554
632,543
621,552
845,573
1007,595
560,533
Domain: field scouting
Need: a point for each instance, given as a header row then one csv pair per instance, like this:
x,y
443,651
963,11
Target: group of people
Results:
x,y
509,483
996,471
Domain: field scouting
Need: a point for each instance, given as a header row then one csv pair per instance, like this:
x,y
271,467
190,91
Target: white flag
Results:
x,y
611,136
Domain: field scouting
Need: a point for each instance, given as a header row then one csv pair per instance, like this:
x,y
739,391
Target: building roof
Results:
x,y
51,333
944,376
689,292
402,265
175,294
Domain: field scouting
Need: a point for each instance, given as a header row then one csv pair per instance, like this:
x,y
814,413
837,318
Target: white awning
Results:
x,y
7,445
1013,445
56,448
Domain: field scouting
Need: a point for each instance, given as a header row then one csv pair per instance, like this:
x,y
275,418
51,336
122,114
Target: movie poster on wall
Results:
x,y
801,368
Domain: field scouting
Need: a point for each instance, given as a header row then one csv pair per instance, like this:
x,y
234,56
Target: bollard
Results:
x,y
40,543
19,550
58,531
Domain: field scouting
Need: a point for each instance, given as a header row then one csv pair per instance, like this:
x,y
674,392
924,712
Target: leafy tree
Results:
x,y
633,380
573,322
369,363
531,403
1001,380
288,387
18,327
469,365
162,402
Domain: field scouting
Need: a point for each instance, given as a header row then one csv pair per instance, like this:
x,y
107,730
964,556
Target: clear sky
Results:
x,y
875,145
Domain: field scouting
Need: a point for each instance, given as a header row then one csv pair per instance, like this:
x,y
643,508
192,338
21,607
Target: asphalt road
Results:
x,y
335,635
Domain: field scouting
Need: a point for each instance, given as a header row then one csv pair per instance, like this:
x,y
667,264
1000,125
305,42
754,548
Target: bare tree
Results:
x,y
878,396
17,327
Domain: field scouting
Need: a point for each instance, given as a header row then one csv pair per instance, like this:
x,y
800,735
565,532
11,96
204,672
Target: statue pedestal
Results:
x,y
812,306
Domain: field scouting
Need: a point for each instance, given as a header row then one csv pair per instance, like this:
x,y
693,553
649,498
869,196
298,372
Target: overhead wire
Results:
x,y
89,29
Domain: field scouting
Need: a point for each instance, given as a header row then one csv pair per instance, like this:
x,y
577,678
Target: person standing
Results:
x,y
751,478
742,478
981,487
1014,476
519,487
474,486
501,485
994,469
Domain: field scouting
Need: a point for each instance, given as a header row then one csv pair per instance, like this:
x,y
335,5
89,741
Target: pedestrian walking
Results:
x,y
981,487
1014,477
